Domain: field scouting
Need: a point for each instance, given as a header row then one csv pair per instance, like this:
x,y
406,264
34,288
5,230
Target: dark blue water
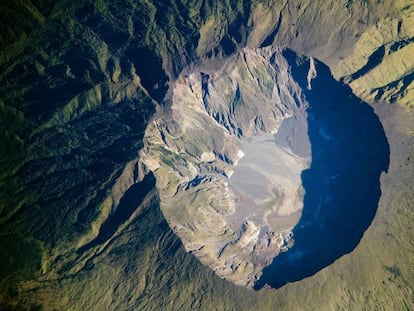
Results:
x,y
349,153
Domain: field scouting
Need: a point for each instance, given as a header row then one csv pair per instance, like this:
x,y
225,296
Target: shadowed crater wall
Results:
x,y
342,186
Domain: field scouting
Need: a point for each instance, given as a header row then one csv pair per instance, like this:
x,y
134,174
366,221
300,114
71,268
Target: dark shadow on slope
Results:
x,y
374,60
342,185
271,37
129,203
401,85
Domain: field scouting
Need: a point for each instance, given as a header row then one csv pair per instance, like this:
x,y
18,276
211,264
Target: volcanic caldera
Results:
x,y
229,156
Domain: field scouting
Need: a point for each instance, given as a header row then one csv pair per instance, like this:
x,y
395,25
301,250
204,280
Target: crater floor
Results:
x,y
228,158
266,184
244,163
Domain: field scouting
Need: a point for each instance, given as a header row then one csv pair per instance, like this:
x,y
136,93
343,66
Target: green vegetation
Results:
x,y
79,81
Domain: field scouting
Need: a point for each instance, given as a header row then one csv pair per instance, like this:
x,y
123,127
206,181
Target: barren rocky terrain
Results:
x,y
226,175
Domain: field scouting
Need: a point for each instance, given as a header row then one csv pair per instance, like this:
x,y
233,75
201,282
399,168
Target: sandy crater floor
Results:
x,y
266,182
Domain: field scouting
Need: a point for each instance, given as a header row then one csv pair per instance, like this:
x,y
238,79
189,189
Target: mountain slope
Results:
x,y
80,82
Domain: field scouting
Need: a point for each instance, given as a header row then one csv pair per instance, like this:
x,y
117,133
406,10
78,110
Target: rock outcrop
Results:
x,y
228,156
